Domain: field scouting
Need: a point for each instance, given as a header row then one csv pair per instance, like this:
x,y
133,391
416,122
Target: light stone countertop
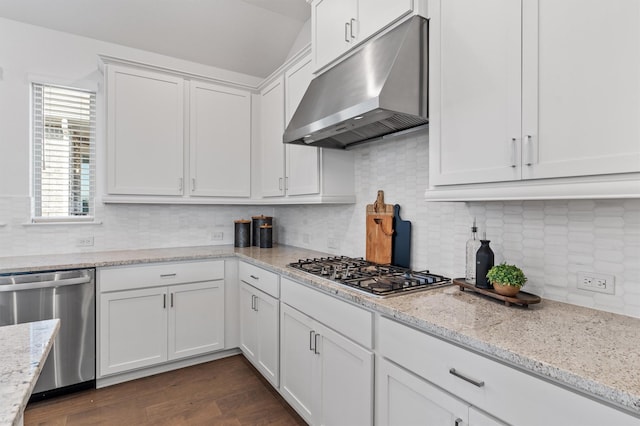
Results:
x,y
23,351
595,352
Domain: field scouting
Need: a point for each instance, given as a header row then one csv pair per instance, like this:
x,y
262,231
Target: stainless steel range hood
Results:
x,y
380,89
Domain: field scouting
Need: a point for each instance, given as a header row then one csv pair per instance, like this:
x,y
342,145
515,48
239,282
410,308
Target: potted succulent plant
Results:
x,y
506,279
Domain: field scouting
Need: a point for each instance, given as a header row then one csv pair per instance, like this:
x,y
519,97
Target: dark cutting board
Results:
x,y
401,244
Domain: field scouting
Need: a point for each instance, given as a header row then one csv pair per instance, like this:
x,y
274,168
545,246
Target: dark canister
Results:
x,y
258,221
242,233
266,236
484,262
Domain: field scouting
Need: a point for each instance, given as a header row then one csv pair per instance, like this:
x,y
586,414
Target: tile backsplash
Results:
x,y
551,240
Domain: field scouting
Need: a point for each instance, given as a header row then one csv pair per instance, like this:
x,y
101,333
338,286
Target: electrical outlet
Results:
x,y
333,243
84,242
601,283
217,236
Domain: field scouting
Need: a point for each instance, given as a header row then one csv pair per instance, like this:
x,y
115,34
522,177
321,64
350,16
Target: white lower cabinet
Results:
x,y
259,320
196,318
143,323
133,329
402,398
326,377
486,386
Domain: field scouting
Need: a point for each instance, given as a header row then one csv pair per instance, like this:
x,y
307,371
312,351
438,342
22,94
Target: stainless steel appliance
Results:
x,y
69,296
379,90
371,278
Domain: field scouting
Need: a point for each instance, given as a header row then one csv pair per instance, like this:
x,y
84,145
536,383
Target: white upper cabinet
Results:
x,y
374,15
303,176
533,89
338,25
335,27
474,113
145,132
147,112
220,141
581,87
296,174
271,130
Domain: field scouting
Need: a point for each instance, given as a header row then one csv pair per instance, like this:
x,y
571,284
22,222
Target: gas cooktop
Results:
x,y
371,278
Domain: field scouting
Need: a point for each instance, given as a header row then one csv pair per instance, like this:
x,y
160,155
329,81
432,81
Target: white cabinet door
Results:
x,y
475,91
345,381
480,418
373,15
144,132
220,141
259,331
581,87
335,29
133,329
303,172
271,130
196,318
248,322
268,350
403,398
297,361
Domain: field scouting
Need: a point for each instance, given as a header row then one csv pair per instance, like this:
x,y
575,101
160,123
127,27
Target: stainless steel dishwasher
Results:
x,y
67,295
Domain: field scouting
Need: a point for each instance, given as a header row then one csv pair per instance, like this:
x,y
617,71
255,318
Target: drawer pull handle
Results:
x,y
311,340
315,344
466,379
164,301
168,275
254,277
458,422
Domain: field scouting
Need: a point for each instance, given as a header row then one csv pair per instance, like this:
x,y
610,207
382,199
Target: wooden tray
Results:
x,y
522,298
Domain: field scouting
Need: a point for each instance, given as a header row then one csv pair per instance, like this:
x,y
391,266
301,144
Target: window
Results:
x,y
64,122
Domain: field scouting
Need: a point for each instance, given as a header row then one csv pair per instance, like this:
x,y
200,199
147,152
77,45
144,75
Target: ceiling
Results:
x,y
247,36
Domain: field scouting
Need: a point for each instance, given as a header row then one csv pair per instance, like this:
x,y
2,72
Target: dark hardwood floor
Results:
x,y
224,392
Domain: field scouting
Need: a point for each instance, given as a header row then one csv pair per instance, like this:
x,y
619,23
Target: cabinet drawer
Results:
x,y
353,322
262,279
500,390
158,274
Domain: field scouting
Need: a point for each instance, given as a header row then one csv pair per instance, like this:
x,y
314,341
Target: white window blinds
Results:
x,y
64,129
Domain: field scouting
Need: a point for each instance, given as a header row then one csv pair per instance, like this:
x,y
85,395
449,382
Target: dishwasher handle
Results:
x,y
45,284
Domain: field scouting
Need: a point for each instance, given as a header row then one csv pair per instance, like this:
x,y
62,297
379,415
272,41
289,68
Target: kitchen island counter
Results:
x,y
591,351
23,351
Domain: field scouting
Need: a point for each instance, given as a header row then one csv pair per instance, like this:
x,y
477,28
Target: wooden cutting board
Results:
x,y
379,231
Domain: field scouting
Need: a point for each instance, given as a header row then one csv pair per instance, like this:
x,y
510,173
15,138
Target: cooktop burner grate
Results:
x,y
372,278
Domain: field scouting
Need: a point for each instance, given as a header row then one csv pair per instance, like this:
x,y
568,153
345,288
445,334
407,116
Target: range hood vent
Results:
x,y
379,90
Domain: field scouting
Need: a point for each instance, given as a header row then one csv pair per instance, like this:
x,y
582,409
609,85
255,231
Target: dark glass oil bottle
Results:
x,y
484,262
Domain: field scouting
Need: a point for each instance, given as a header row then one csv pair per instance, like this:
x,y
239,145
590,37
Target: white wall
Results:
x,y
550,240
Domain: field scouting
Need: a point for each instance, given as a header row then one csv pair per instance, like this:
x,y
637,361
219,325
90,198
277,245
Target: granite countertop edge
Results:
x,y
276,262
22,377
